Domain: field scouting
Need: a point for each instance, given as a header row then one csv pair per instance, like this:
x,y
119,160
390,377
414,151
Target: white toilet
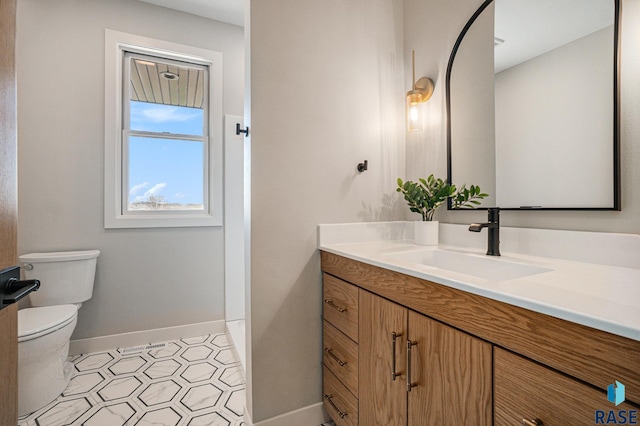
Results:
x,y
44,330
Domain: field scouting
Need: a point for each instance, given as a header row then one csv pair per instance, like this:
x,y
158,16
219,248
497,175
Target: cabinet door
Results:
x,y
383,401
450,374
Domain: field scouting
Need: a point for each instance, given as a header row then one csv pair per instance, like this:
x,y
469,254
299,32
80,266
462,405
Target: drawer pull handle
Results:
x,y
341,413
409,383
334,306
532,422
394,337
329,351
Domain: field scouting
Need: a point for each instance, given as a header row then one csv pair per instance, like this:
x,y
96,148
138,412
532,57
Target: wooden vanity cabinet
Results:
x,y
476,360
366,380
432,374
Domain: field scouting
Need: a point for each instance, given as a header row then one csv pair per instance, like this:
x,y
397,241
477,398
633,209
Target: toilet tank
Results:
x,y
65,277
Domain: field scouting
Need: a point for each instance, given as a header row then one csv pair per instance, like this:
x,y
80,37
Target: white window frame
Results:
x,y
116,214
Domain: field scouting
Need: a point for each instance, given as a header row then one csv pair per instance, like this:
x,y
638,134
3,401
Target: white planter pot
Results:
x,y
426,233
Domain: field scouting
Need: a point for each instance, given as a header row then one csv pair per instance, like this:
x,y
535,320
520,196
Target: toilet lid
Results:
x,y
36,322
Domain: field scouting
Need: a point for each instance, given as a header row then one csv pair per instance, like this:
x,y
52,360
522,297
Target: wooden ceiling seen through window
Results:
x,y
167,83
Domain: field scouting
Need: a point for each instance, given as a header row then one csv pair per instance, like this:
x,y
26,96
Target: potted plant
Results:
x,y
426,195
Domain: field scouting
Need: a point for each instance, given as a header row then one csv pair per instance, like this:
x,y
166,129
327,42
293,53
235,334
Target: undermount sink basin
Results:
x,y
480,266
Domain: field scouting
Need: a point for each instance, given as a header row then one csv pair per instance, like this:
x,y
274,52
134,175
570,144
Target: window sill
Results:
x,y
163,221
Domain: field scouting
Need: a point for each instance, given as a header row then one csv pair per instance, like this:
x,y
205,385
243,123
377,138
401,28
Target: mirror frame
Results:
x,y
616,114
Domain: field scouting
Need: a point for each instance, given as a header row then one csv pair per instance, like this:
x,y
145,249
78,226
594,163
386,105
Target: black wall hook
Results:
x,y
363,166
239,130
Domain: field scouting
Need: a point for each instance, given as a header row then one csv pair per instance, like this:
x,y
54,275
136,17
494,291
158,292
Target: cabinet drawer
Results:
x,y
341,405
340,355
341,305
524,389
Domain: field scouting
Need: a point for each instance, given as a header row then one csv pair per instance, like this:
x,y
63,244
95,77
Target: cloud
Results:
x,y
180,195
163,114
155,189
135,189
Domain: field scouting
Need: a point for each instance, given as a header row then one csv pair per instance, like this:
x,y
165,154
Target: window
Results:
x,y
163,134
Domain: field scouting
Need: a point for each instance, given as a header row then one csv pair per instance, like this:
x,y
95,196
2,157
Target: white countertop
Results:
x,y
604,297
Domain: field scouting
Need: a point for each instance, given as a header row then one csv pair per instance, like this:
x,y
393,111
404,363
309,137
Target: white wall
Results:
x,y
432,27
146,278
327,93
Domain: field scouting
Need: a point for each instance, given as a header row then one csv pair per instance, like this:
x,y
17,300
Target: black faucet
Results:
x,y
493,225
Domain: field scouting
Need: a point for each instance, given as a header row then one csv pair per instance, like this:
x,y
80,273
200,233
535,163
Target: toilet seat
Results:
x,y
36,322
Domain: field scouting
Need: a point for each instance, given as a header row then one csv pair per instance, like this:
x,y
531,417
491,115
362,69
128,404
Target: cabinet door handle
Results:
x,y
394,337
409,384
532,422
329,352
341,413
334,306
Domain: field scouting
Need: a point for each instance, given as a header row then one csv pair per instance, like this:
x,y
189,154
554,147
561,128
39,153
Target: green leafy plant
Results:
x,y
426,195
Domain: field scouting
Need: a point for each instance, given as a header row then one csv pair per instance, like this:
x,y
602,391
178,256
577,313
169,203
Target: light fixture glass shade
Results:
x,y
420,93
414,111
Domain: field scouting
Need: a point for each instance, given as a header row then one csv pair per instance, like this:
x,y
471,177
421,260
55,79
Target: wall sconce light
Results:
x,y
420,93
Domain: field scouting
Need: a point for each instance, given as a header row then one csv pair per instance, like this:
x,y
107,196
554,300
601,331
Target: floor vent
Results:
x,y
155,346
137,349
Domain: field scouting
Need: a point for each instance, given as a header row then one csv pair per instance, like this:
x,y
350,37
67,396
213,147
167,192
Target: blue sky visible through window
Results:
x,y
167,168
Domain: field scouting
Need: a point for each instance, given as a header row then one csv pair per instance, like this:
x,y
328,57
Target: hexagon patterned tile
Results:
x,y
188,382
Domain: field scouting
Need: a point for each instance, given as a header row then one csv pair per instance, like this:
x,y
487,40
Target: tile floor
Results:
x,y
196,381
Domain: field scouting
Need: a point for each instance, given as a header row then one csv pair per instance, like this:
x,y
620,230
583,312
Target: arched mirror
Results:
x,y
532,104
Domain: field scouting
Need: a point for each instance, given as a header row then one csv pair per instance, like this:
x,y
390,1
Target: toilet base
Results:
x,y
43,369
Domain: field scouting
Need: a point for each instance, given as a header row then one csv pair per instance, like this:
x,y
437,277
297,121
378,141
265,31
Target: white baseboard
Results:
x,y
136,338
312,415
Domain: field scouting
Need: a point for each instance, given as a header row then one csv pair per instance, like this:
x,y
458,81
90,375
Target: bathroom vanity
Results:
x,y
406,342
